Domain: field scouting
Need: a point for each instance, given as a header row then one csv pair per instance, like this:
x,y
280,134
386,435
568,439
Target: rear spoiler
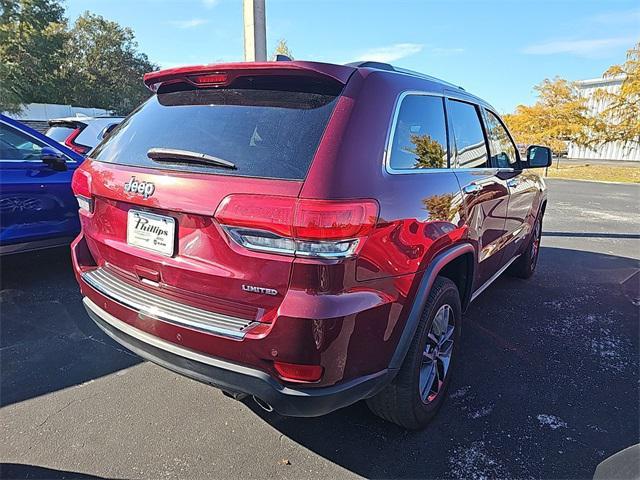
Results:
x,y
224,73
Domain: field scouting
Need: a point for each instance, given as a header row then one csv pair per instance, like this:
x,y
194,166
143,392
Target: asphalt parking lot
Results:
x,y
548,385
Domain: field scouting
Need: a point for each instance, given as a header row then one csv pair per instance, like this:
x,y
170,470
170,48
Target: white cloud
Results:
x,y
192,23
391,53
583,48
210,3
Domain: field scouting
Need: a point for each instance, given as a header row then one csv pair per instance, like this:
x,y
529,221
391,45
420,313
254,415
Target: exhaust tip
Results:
x,y
262,404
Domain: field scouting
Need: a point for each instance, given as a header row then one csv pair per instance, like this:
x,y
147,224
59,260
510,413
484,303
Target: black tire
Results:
x,y
401,402
525,266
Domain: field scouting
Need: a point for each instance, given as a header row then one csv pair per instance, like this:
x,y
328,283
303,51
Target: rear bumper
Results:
x,y
237,378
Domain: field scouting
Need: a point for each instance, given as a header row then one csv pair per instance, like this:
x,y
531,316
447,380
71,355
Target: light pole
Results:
x,y
255,33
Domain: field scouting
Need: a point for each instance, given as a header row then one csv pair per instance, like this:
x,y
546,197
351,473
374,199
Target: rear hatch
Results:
x,y
156,182
66,131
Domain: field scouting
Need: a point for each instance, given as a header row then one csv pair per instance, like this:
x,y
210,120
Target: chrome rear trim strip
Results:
x,y
164,309
145,337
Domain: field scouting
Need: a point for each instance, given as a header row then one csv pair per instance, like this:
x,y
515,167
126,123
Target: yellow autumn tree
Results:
x,y
619,121
282,49
559,116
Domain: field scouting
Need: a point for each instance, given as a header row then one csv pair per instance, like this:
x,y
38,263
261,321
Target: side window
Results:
x,y
16,145
503,151
471,149
420,135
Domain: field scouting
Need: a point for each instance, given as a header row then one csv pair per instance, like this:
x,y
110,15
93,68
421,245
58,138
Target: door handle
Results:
x,y
472,188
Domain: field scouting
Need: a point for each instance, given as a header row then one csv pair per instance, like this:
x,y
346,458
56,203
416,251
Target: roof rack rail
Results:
x,y
406,71
391,68
370,64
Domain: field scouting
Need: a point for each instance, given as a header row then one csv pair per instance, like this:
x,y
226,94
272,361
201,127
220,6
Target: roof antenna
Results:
x,y
282,58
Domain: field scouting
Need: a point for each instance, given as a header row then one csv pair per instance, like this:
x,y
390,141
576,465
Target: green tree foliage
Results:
x,y
32,38
429,153
282,49
103,67
94,64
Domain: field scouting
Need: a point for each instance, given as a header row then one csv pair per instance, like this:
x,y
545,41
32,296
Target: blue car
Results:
x,y
37,207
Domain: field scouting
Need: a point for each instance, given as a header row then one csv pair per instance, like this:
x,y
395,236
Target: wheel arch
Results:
x,y
543,206
447,261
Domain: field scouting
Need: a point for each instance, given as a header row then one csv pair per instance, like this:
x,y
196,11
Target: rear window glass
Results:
x,y
59,133
265,133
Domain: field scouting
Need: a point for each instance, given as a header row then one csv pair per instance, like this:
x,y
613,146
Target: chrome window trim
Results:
x,y
391,132
453,160
7,160
484,170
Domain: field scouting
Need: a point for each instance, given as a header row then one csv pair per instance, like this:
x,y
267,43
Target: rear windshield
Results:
x,y
60,133
265,133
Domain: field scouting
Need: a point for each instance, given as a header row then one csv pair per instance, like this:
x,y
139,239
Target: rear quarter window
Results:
x,y
420,134
265,133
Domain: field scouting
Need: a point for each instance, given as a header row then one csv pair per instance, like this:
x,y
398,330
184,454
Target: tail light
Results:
x,y
302,227
81,186
76,147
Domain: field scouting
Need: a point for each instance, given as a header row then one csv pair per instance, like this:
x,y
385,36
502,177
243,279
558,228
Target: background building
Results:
x,y
608,151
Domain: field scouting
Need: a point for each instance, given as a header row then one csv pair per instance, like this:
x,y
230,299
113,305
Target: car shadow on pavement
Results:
x,y
547,385
47,341
10,471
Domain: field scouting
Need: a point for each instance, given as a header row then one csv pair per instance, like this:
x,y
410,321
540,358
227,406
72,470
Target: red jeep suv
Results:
x,y
304,233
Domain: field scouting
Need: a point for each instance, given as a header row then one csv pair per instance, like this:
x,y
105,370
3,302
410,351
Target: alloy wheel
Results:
x,y
436,356
535,244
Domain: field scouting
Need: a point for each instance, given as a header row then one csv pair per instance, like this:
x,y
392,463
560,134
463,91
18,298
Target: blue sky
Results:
x,y
495,49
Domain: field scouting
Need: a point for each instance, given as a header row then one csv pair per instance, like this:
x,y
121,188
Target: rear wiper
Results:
x,y
169,154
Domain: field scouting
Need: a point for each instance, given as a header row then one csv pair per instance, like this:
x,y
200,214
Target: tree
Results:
x,y
282,49
103,66
429,153
559,116
439,207
619,121
32,35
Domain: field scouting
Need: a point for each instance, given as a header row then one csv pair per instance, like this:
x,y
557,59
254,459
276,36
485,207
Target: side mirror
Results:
x,y
54,159
538,157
